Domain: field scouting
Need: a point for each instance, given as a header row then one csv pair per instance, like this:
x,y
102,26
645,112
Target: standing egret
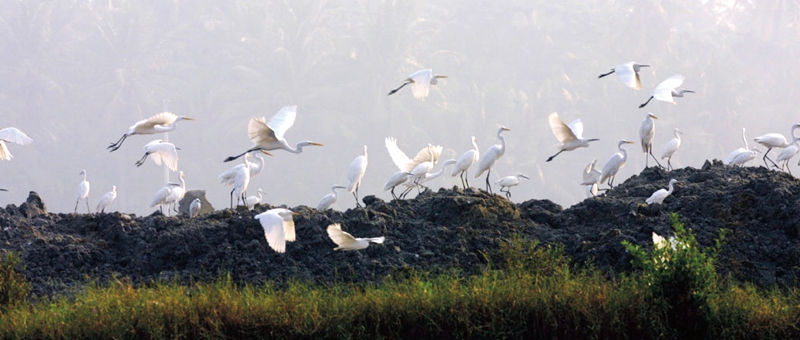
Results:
x,y
667,89
170,194
491,156
162,122
570,136
628,73
412,181
194,208
734,153
616,162
508,182
421,82
355,173
404,163
774,140
83,192
278,227
345,241
229,176
661,194
177,192
11,135
240,184
647,133
742,157
787,154
161,152
421,171
107,199
329,199
464,162
591,177
397,178
670,148
251,201
269,135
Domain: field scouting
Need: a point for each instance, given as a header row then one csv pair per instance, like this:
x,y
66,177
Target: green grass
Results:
x,y
538,293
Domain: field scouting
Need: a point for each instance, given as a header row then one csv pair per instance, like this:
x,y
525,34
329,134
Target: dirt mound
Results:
x,y
451,229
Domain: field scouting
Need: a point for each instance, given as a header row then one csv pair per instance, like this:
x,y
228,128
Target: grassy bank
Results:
x,y
538,293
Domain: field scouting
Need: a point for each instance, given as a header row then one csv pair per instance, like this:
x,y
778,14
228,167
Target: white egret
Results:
x,y
251,201
170,194
508,182
162,122
404,163
421,82
628,73
229,176
278,227
422,169
491,156
345,241
591,177
667,89
11,135
733,153
329,199
787,154
412,181
107,199
161,152
774,140
464,162
570,136
614,164
397,178
83,192
240,184
743,157
647,133
194,208
269,135
661,194
670,148
355,173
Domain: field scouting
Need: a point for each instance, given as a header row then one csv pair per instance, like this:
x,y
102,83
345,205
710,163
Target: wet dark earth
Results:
x,y
448,230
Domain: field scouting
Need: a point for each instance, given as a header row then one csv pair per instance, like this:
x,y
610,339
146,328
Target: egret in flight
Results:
x,y
278,227
162,122
228,177
269,135
628,73
591,177
160,152
670,148
355,173
329,199
510,181
647,133
345,241
11,135
661,194
667,89
404,163
570,136
107,199
614,164
83,192
464,162
194,208
421,82
774,140
491,156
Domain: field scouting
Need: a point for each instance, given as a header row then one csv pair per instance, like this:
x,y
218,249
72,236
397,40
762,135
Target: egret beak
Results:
x,y
188,118
317,144
266,153
628,142
506,129
295,213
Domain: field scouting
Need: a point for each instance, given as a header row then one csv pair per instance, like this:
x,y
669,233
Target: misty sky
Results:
x,y
77,75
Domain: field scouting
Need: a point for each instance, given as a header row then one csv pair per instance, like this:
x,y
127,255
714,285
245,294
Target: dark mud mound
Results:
x,y
444,231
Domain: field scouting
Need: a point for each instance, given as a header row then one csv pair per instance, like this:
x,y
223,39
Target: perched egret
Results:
x,y
647,133
107,199
422,169
161,152
743,157
11,135
570,136
412,181
774,140
733,153
614,164
355,173
661,194
251,201
667,89
787,154
278,227
229,176
269,135
628,73
491,156
591,177
240,184
421,82
464,162
670,148
162,122
170,194
194,208
397,178
508,182
329,199
83,192
404,163
345,241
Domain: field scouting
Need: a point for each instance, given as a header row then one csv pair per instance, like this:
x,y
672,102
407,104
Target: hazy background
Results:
x,y
76,74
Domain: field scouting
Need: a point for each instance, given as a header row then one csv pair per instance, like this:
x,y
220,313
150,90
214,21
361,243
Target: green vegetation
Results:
x,y
674,293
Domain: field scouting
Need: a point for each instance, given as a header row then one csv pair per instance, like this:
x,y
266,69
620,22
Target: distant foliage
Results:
x,y
14,289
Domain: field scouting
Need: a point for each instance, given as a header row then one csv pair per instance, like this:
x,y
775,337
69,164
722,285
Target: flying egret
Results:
x,y
107,199
733,153
404,163
194,208
647,133
11,135
269,135
412,181
421,82
508,182
464,162
491,156
570,136
251,201
667,89
355,173
743,157
162,122
240,184
161,152
397,178
591,177
628,73
614,164
774,140
83,192
345,241
278,227
329,199
170,194
787,154
229,175
670,148
661,194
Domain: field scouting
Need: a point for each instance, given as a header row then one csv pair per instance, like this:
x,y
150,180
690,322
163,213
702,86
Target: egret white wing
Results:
x,y
627,75
664,90
283,120
273,230
398,156
576,126
339,236
560,130
14,135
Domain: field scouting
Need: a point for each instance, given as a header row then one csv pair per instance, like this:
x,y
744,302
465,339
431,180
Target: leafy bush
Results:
x,y
14,289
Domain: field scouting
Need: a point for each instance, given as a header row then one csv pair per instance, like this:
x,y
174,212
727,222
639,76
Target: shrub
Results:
x,y
14,288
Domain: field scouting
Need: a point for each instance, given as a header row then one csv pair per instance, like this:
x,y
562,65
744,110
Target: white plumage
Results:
x,y
11,135
570,137
614,164
421,82
355,173
194,208
491,156
345,241
107,199
667,89
83,192
465,162
278,227
670,148
510,181
628,73
329,199
647,133
661,194
162,122
160,152
269,135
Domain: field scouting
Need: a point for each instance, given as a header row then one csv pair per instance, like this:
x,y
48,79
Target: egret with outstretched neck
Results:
x,y
491,156
614,164
269,135
628,73
162,122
